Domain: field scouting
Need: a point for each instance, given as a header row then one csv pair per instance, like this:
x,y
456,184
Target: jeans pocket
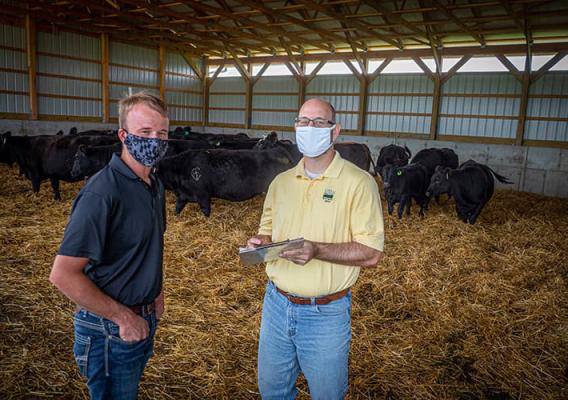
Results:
x,y
81,349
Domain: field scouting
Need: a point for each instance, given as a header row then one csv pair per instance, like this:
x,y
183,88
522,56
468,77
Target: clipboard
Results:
x,y
268,252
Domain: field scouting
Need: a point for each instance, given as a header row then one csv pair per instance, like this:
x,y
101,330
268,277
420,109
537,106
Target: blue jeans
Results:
x,y
313,339
112,366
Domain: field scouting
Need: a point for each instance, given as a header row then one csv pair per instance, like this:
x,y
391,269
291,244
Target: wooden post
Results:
x,y
104,76
31,58
434,121
524,99
248,96
206,85
162,72
363,95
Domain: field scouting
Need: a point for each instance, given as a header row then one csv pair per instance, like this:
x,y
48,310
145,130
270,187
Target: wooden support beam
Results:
x,y
32,64
357,74
363,97
423,67
194,65
379,69
105,77
519,138
162,72
240,66
458,22
436,98
259,75
509,65
207,82
445,77
546,67
314,72
248,103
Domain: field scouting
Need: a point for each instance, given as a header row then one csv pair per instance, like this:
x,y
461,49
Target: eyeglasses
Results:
x,y
318,122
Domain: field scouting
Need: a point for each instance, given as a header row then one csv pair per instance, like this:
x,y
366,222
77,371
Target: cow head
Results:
x,y
73,131
81,162
440,182
267,142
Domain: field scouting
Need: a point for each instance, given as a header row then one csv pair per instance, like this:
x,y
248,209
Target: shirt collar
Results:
x,y
120,166
332,171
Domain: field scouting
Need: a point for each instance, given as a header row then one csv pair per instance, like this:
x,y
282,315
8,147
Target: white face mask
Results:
x,y
313,142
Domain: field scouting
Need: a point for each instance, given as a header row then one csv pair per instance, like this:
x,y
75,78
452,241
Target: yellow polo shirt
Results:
x,y
340,206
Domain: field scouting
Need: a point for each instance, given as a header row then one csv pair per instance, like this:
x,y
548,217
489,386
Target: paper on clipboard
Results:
x,y
268,252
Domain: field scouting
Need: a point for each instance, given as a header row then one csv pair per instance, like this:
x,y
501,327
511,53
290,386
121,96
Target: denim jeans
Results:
x,y
113,367
313,339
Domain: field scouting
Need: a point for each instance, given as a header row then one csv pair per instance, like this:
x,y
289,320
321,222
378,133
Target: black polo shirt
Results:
x,y
118,223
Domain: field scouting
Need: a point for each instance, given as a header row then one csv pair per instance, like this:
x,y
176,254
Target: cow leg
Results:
x,y
437,198
205,205
55,187
180,204
390,206
475,213
401,206
408,205
36,183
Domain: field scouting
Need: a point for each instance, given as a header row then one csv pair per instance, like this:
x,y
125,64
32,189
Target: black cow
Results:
x,y
91,159
49,156
91,132
357,153
472,185
392,154
431,158
235,175
402,184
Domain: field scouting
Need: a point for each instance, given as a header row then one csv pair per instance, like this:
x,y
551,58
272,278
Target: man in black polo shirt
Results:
x,y
110,259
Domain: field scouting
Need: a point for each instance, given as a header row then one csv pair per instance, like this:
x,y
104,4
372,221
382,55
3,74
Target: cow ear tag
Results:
x,y
399,173
448,175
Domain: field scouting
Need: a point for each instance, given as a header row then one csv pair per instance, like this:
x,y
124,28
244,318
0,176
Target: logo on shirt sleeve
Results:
x,y
328,195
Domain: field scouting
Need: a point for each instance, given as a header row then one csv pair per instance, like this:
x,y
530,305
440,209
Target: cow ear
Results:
x,y
82,148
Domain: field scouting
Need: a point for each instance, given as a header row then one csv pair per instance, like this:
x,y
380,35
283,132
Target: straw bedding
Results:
x,y
454,311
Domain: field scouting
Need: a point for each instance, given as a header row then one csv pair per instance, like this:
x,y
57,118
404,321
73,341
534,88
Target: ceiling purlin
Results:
x,y
55,19
238,24
352,23
456,21
195,20
475,12
387,15
117,20
322,33
436,43
277,31
514,16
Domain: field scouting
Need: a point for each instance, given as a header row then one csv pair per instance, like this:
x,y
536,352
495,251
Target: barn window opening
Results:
x,y
272,70
483,64
228,71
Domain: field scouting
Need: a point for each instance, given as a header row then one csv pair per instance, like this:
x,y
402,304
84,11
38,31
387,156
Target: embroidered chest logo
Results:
x,y
328,195
196,174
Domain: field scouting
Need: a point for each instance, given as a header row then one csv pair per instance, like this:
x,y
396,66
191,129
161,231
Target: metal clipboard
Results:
x,y
268,252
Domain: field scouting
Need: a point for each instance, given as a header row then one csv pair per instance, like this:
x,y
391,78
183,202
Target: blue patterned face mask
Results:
x,y
147,151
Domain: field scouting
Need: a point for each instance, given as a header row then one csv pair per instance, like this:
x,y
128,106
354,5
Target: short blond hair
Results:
x,y
127,103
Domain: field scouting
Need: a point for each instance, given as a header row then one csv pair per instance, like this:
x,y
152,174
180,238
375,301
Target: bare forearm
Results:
x,y
81,290
352,253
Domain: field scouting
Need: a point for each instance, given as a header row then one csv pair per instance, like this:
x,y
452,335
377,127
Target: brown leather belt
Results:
x,y
318,300
140,310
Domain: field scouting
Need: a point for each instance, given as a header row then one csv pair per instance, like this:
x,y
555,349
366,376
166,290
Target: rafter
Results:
x,y
456,21
271,28
351,23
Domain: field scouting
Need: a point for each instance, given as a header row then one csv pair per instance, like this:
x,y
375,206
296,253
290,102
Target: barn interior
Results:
x,y
454,311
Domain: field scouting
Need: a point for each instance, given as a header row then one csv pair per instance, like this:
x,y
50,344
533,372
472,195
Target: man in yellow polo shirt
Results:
x,y
335,207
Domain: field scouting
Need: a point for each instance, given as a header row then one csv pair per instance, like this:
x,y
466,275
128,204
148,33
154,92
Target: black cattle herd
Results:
x,y
235,167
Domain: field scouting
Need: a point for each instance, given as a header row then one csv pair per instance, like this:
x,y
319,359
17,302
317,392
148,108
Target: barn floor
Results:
x,y
454,311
